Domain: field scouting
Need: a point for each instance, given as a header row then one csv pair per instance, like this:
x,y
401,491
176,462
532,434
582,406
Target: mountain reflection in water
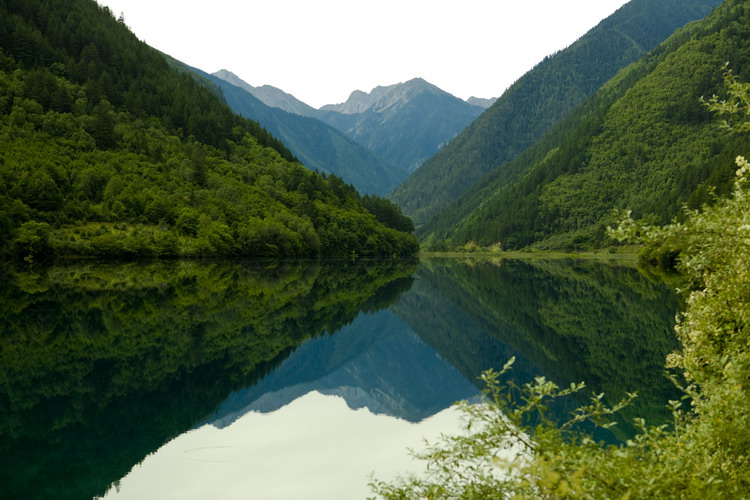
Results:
x,y
376,362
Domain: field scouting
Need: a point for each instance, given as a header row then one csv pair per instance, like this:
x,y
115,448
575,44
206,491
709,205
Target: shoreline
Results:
x,y
629,255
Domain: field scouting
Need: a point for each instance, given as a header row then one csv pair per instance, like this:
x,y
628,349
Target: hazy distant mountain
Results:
x,y
542,97
317,145
481,102
405,123
360,101
269,95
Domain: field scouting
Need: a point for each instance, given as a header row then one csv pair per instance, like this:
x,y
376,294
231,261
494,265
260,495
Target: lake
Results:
x,y
295,379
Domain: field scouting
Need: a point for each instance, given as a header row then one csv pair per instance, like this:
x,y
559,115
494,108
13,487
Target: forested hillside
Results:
x,y
108,150
644,143
318,146
541,98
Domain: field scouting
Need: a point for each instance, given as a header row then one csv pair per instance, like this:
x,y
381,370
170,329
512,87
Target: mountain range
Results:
x,y
110,149
317,145
383,120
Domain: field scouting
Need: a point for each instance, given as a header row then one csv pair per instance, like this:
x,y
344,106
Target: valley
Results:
x,y
214,289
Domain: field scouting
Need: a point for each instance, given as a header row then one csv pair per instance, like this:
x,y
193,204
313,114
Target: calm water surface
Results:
x,y
293,380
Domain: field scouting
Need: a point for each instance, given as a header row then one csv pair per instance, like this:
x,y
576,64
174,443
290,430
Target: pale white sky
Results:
x,y
314,448
322,50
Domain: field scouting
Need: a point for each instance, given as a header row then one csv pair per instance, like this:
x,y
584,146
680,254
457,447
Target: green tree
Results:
x,y
187,221
31,241
198,165
102,127
42,192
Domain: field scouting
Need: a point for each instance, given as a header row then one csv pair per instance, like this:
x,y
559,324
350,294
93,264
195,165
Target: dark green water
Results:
x,y
102,364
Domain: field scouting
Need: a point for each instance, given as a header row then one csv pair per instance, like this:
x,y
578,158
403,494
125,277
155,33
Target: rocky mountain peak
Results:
x,y
382,97
268,94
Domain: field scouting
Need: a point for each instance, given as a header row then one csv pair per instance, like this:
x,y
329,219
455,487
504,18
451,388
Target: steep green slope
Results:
x,y
541,98
318,146
644,142
106,149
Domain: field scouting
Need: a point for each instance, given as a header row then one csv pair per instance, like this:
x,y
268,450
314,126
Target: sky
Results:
x,y
322,50
310,448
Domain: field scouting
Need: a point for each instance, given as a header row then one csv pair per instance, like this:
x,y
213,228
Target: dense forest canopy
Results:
x,y
109,150
643,142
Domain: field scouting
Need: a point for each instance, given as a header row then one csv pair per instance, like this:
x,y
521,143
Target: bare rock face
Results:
x,y
269,95
360,101
382,97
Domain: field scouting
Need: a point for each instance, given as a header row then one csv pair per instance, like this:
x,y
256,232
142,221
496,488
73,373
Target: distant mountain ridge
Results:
x,y
382,97
269,95
318,145
404,123
541,98
360,101
481,102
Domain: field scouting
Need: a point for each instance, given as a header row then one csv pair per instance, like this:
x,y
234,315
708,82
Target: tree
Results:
x,y
198,164
42,192
31,241
102,126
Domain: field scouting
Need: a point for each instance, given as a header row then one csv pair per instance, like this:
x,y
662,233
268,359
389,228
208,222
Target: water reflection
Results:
x,y
570,321
101,365
376,362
